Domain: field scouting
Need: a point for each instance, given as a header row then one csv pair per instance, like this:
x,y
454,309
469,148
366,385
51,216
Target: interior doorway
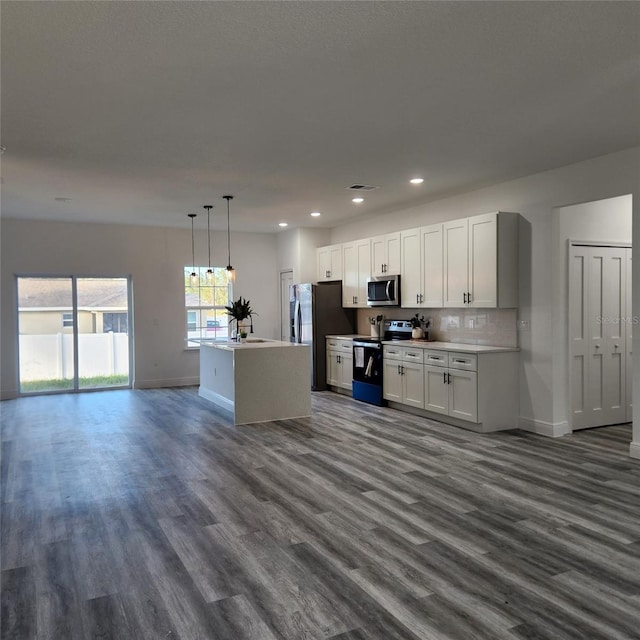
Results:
x,y
286,280
74,333
600,333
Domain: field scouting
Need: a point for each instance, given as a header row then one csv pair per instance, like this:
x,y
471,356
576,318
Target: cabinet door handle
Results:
x,y
468,298
402,370
398,369
421,298
448,378
464,298
444,378
417,298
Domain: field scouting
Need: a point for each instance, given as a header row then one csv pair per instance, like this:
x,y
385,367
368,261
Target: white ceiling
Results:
x,y
141,112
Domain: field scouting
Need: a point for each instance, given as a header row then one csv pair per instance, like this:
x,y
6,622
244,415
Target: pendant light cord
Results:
x,y
208,207
228,199
193,243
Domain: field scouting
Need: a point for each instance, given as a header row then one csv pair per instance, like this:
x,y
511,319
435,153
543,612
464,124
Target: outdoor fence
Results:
x,y
50,357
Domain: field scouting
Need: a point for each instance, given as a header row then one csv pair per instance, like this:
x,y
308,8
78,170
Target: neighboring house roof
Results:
x,y
39,293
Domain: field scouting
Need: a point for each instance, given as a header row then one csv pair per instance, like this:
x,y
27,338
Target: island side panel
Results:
x,y
216,376
272,384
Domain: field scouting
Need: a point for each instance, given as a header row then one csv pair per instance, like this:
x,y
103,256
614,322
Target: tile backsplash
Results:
x,y
496,327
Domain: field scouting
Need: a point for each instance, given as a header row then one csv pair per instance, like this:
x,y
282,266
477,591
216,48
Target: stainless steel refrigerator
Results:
x,y
315,311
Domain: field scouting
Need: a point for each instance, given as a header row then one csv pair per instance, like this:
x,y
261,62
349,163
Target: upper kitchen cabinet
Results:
x,y
481,261
385,254
329,261
422,266
356,266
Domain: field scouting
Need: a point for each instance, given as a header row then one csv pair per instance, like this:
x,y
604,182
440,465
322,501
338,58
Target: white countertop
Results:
x,y
450,346
351,336
251,343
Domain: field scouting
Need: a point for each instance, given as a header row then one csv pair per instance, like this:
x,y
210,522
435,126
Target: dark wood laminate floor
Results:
x,y
145,514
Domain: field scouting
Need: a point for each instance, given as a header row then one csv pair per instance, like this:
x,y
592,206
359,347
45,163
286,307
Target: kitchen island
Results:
x,y
258,380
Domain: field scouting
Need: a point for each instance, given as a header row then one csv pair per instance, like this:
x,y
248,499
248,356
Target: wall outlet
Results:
x,y
523,325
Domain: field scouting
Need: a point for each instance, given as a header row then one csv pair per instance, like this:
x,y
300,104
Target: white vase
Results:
x,y
416,333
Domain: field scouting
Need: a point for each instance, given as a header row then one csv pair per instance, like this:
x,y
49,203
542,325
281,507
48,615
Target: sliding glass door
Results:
x,y
73,333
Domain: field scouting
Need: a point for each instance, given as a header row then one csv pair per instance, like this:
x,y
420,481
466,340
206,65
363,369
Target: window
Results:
x,y
67,319
205,302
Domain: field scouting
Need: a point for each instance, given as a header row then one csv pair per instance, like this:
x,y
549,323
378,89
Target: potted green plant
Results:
x,y
240,310
416,324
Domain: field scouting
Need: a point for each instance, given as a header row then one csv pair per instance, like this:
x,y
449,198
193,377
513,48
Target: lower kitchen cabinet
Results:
x,y
451,392
477,391
340,363
403,376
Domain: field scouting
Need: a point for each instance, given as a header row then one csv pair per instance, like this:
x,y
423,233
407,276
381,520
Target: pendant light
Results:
x,y
231,274
194,275
208,207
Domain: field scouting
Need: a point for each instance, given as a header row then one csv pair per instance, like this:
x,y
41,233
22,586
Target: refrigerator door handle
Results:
x,y
298,322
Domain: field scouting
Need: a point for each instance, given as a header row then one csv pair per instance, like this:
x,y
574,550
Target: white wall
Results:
x,y
155,258
297,251
543,407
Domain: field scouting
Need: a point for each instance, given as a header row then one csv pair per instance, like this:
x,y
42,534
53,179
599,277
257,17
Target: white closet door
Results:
x,y
598,335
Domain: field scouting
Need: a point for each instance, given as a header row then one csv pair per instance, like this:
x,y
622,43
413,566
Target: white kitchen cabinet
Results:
x,y
385,254
329,263
481,261
403,376
356,266
451,384
422,267
339,363
475,389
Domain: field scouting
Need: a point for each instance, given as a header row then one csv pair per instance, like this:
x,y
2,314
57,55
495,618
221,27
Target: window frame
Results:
x,y
206,311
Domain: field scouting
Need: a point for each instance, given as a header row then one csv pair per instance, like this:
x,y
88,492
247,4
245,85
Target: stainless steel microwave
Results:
x,y
383,291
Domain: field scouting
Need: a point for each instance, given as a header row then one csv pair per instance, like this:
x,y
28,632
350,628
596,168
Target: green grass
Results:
x,y
33,386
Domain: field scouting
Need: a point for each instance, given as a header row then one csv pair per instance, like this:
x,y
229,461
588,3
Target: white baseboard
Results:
x,y
542,428
166,382
216,398
634,450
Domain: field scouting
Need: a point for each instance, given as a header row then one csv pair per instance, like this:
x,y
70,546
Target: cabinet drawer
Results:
x,y
333,344
346,345
436,358
392,353
466,361
413,355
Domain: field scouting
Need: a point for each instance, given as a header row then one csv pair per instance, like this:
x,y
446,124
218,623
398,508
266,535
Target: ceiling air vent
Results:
x,y
362,187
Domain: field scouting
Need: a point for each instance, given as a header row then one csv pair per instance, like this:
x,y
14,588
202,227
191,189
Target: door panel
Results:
x,y
483,261
391,381
432,266
103,337
45,334
628,327
411,281
456,255
436,391
413,383
463,395
599,296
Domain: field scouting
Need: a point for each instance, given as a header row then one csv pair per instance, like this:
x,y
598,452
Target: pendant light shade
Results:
x,y
194,275
208,207
231,274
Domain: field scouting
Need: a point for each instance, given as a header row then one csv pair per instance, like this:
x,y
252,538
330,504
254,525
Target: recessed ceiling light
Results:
x,y
60,199
357,200
416,180
283,224
315,214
